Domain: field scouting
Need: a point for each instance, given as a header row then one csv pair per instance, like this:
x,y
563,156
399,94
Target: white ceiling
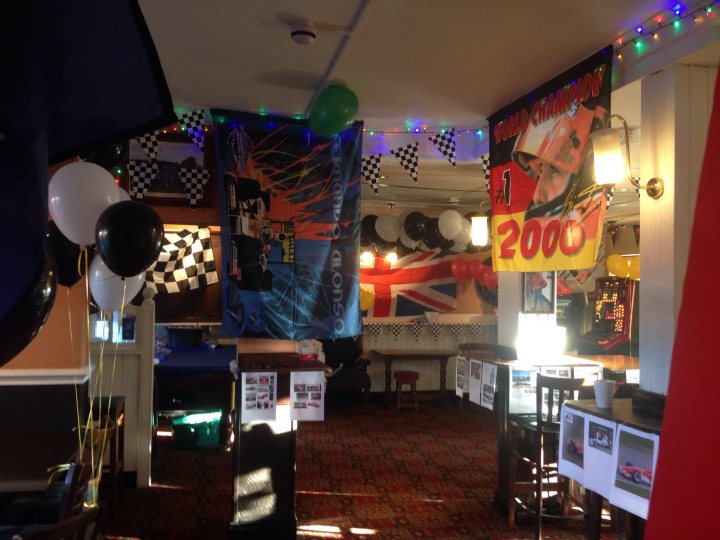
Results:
x,y
431,64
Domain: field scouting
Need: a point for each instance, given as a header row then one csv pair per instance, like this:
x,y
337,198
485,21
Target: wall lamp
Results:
x,y
610,167
479,230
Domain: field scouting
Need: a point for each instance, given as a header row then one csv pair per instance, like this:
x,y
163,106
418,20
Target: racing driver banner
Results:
x,y
290,216
547,210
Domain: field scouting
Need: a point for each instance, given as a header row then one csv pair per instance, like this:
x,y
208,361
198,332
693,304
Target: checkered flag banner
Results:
x,y
609,194
193,122
375,329
456,331
371,170
185,262
149,143
142,173
445,142
408,157
396,329
485,162
194,180
435,329
416,329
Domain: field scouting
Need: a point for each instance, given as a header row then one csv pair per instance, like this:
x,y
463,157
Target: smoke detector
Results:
x,y
303,32
454,201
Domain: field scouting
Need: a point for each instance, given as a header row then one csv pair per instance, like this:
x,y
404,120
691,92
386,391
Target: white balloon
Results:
x,y
124,195
77,195
107,288
388,228
462,239
450,224
406,241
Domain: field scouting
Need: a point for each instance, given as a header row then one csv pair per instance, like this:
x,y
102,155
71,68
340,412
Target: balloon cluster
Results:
x,y
624,267
478,269
88,207
413,231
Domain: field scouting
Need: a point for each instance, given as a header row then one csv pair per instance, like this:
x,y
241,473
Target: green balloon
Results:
x,y
333,111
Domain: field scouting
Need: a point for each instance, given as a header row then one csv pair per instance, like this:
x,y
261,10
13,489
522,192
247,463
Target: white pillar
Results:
x,y
510,299
676,106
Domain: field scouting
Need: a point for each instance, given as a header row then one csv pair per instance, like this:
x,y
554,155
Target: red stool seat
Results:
x,y
409,378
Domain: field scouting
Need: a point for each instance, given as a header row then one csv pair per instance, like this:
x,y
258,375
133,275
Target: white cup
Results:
x,y
604,391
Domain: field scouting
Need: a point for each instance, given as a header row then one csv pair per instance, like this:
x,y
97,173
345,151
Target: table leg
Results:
x,y
443,380
388,375
594,514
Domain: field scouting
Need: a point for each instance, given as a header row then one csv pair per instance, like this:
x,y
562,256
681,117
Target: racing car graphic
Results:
x,y
636,474
575,446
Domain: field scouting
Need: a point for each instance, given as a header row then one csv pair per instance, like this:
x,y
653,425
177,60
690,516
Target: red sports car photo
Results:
x,y
636,474
576,446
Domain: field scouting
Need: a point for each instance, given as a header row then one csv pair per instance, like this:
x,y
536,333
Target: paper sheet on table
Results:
x,y
475,380
634,471
489,375
307,395
572,444
600,449
462,382
258,396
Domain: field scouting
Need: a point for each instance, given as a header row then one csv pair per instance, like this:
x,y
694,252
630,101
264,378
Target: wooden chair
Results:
x,y
344,355
77,527
535,440
409,378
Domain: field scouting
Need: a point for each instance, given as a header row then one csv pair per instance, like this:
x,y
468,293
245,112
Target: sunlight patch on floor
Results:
x,y
331,531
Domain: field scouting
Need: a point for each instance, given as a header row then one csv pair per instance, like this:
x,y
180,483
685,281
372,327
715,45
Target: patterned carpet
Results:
x,y
363,473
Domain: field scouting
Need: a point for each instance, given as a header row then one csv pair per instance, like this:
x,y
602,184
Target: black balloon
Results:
x,y
433,238
66,254
108,156
129,237
27,316
368,234
415,226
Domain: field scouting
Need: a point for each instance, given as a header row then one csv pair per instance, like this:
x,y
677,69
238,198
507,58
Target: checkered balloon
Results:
x,y
185,262
194,179
408,157
149,143
193,122
142,173
371,170
445,142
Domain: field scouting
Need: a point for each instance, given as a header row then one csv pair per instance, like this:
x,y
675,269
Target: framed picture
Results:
x,y
539,292
175,151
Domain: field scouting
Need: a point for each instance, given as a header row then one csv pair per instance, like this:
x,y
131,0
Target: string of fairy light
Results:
x,y
415,130
675,20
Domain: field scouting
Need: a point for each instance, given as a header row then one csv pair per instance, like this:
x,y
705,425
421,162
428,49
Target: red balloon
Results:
x,y
477,269
459,269
491,279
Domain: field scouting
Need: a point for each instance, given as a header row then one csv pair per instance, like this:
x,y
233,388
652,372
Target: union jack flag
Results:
x,y
411,286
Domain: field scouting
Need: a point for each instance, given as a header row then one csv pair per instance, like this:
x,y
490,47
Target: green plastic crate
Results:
x,y
196,430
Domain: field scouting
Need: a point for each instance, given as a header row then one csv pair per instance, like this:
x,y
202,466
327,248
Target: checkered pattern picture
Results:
x,y
371,170
185,262
193,122
149,143
408,158
485,162
142,173
445,142
194,180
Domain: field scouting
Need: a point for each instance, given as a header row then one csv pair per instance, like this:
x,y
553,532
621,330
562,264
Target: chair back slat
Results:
x,y
557,389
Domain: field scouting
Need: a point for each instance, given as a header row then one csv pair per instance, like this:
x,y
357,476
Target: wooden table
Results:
x,y
621,412
25,458
436,355
615,366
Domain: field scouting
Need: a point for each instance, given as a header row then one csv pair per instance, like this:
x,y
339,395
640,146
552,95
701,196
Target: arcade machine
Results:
x,y
614,325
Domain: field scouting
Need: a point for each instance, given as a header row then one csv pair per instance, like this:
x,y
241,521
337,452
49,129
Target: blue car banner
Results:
x,y
290,217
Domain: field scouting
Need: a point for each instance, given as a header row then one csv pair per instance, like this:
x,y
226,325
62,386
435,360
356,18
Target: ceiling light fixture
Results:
x,y
479,230
611,167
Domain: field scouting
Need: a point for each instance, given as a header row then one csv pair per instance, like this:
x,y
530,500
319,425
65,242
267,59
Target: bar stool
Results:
x,y
409,378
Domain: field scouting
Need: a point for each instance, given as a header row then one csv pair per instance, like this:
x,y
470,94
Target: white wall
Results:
x,y
676,106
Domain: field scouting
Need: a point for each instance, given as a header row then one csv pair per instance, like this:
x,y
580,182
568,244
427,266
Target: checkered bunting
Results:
x,y
609,194
149,143
142,173
456,331
477,330
185,262
371,170
194,179
375,329
416,329
445,142
194,123
485,162
435,329
408,157
396,329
